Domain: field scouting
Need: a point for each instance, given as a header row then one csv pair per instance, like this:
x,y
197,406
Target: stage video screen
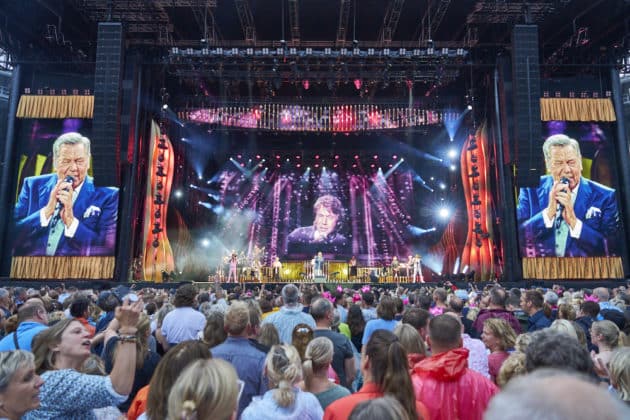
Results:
x,y
372,196
59,210
574,211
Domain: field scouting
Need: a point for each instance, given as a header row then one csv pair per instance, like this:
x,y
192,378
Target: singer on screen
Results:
x,y
567,215
63,213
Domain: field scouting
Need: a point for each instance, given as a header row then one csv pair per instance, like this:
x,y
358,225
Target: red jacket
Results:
x,y
450,390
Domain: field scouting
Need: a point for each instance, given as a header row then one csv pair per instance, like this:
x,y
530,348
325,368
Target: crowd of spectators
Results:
x,y
303,352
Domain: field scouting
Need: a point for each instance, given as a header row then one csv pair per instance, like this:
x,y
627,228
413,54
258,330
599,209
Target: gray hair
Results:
x,y
320,308
553,394
290,294
70,139
3,293
559,140
10,362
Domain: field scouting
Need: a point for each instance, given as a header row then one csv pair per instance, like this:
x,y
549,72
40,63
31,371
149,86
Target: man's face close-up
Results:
x,y
74,161
564,161
325,221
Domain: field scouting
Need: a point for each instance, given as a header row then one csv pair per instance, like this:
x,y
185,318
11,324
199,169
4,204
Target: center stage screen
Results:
x,y
372,196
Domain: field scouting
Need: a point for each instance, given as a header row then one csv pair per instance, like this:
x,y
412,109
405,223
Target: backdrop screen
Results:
x,y
372,196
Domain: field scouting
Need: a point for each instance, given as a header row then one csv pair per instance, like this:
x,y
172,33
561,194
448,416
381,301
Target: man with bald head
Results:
x,y
567,215
550,394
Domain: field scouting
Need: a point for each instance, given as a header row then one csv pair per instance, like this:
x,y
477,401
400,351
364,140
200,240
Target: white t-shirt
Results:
x,y
182,324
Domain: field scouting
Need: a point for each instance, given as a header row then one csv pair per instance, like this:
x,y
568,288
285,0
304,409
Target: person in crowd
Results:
x,y
207,389
107,301
619,373
439,301
317,361
586,315
553,349
550,302
32,319
80,310
550,394
162,345
284,400
5,308
564,326
412,343
496,309
567,215
384,368
443,382
603,298
151,401
214,331
499,338
301,336
343,357
289,315
63,213
512,367
19,384
477,352
59,354
146,360
532,304
385,311
456,305
248,361
419,319
384,408
367,306
324,233
566,311
604,335
268,336
356,322
184,322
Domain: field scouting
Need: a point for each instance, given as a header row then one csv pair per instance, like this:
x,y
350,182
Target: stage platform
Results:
x,y
107,284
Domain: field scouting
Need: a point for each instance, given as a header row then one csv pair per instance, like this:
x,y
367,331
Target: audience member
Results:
x,y
619,373
19,384
184,322
383,408
317,361
412,343
385,311
419,319
532,304
496,309
289,315
356,322
499,338
32,319
553,349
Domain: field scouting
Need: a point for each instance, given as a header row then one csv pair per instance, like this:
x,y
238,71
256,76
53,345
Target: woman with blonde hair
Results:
x,y
619,373
605,335
207,389
499,337
284,400
411,341
302,335
317,360
19,384
60,352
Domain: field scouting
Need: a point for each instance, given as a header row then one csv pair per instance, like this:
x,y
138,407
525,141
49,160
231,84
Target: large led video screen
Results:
x,y
374,196
60,210
574,211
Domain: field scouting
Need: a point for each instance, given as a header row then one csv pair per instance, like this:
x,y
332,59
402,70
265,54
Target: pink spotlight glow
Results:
x,y
336,156
357,83
306,84
299,165
277,156
317,165
257,156
375,157
356,156
316,156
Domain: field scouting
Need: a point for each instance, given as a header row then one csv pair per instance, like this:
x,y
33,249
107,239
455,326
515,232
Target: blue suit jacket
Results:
x,y
96,233
598,227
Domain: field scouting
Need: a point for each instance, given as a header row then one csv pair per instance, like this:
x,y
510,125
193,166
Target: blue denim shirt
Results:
x,y
538,321
249,363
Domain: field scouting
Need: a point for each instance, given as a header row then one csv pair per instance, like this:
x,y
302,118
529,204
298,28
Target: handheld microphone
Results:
x,y
560,207
59,204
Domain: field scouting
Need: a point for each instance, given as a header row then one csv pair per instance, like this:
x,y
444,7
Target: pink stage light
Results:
x,y
375,157
299,165
357,83
316,156
305,84
356,156
317,165
277,156
257,156
336,156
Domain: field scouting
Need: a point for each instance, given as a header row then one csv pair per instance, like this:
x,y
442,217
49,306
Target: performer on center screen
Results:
x,y
318,266
276,267
233,262
395,265
417,269
353,267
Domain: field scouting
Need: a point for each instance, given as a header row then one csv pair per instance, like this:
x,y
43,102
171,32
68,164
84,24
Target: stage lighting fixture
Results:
x,y
305,84
357,84
157,214
200,177
442,186
472,146
475,186
178,194
452,153
356,156
277,156
375,157
337,157
159,185
257,156
205,243
165,107
469,107
444,213
298,165
316,156
453,168
162,145
156,243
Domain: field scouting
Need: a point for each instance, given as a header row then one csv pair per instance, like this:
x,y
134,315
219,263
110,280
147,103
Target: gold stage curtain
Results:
x,y
61,106
62,267
588,268
577,109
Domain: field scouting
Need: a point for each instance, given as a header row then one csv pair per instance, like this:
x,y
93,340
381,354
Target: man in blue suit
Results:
x,y
63,213
566,215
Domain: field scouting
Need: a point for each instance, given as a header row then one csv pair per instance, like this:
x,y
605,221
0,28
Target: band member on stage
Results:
x,y
353,267
417,269
318,265
256,270
233,262
276,266
410,262
395,265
